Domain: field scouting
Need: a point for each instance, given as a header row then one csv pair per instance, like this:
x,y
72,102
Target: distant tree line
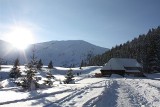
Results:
x,y
145,48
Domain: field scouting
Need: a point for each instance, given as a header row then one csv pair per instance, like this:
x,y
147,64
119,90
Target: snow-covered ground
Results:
x,y
87,91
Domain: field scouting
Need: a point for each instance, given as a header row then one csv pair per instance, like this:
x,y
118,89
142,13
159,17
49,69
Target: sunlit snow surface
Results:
x,y
87,91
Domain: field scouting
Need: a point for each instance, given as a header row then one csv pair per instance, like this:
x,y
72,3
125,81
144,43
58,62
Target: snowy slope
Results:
x,y
65,53
87,91
62,53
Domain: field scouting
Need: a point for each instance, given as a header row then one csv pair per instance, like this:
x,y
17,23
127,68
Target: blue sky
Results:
x,y
104,23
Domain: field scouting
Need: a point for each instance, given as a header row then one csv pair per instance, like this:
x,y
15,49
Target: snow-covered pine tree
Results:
x,y
50,65
49,76
81,65
29,82
69,77
39,64
0,65
16,63
15,71
33,63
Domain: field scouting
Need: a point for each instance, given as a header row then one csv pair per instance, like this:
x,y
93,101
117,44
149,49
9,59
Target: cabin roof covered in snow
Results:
x,y
121,64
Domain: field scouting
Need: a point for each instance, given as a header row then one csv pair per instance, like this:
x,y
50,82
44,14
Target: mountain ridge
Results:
x,y
62,53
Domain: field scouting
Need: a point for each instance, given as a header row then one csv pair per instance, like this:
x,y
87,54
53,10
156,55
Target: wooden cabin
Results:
x,y
122,66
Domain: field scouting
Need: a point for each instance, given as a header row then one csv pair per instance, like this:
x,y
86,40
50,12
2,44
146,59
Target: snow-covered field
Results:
x,y
87,91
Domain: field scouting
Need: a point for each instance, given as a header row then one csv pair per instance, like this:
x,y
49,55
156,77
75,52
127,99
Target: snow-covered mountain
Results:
x,y
62,53
65,53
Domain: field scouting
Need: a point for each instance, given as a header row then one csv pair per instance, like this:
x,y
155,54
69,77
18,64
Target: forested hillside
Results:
x,y
145,48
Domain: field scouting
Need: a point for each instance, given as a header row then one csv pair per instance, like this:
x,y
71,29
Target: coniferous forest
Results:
x,y
145,48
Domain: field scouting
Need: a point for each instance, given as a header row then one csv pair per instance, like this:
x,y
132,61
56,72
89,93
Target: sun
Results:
x,y
20,37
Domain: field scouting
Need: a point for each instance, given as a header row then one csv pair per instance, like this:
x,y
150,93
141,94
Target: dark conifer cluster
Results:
x,y
145,48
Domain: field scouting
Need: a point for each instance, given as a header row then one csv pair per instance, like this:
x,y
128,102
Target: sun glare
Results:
x,y
20,37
